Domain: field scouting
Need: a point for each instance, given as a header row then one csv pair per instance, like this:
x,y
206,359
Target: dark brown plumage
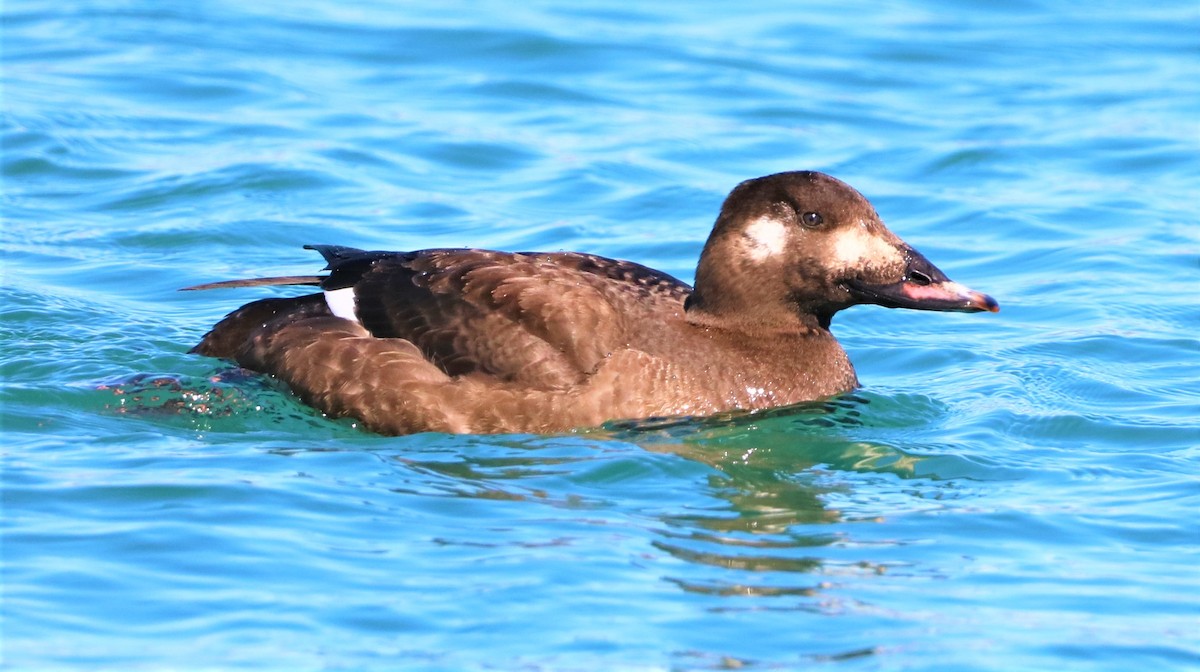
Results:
x,y
460,340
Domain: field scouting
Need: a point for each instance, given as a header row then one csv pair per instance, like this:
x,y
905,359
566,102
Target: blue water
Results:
x,y
1011,491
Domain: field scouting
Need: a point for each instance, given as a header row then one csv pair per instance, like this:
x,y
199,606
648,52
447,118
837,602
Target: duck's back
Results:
x,y
541,319
545,319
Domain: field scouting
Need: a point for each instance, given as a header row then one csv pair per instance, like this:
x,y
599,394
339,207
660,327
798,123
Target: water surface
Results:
x,y
1011,491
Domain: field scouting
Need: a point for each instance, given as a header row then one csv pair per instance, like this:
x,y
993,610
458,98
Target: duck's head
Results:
x,y
803,245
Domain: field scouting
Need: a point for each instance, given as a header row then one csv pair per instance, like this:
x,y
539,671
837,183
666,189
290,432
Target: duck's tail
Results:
x,y
259,282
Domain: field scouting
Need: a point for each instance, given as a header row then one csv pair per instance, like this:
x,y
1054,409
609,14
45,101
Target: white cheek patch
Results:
x,y
341,303
765,237
859,248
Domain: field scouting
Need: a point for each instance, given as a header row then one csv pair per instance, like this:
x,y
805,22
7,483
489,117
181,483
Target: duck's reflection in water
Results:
x,y
756,522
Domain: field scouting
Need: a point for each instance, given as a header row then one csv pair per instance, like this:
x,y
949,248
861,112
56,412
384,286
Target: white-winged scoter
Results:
x,y
478,341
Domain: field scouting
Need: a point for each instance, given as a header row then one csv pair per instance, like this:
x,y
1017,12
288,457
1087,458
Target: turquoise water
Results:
x,y
1011,491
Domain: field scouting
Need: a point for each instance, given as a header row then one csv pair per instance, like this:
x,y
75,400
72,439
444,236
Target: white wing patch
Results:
x,y
342,302
766,237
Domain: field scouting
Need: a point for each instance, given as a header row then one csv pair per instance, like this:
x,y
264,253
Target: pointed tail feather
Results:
x,y
260,282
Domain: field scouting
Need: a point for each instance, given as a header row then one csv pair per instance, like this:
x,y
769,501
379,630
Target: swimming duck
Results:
x,y
479,341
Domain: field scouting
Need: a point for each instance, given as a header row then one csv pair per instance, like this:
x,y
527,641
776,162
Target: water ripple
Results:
x,y
1006,491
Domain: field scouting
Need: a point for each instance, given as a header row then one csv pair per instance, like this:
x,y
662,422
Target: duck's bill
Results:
x,y
945,296
924,287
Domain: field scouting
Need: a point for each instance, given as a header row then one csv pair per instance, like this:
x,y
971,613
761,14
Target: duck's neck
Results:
x,y
754,319
730,295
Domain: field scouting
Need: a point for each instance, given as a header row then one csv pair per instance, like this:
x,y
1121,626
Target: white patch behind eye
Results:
x,y
766,237
342,302
859,247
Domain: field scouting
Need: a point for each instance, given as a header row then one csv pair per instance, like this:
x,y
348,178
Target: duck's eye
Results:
x,y
811,219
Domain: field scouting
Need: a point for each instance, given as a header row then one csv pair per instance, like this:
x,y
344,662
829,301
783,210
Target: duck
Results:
x,y
475,341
